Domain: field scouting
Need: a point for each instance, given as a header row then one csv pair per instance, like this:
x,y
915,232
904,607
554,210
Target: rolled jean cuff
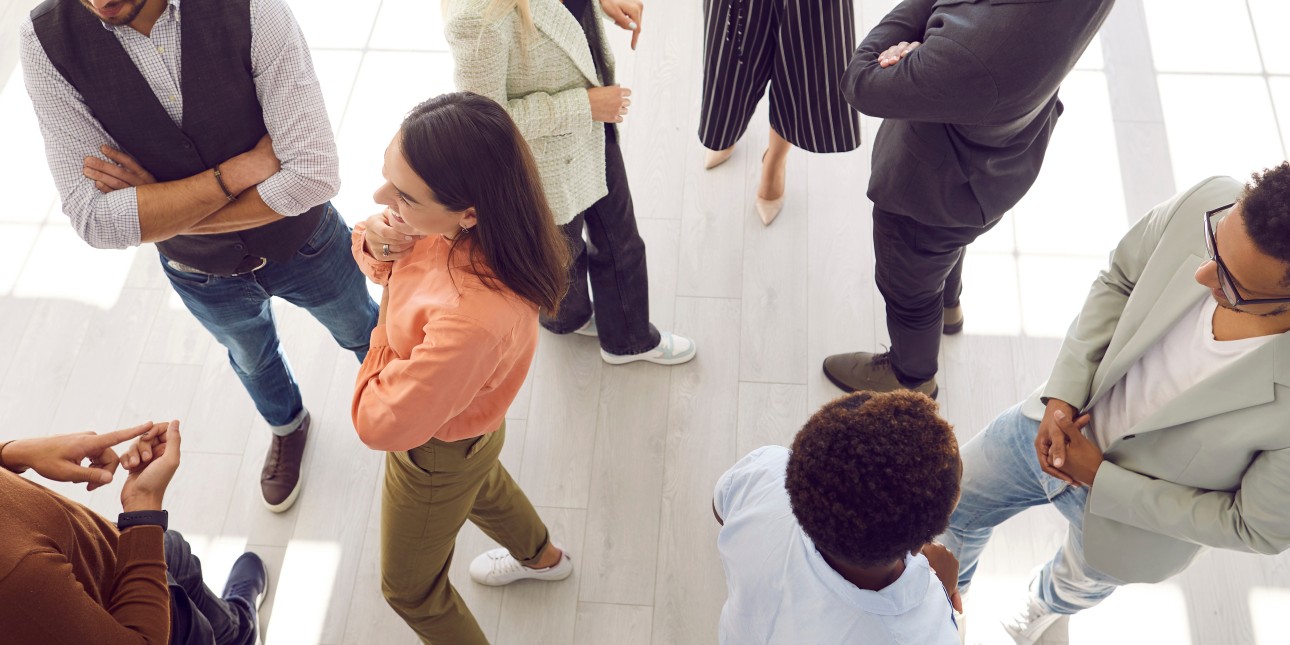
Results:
x,y
291,426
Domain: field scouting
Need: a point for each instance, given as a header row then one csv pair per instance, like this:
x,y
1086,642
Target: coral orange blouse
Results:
x,y
451,355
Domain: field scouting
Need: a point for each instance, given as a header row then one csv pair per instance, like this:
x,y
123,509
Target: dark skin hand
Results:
x,y
1061,447
946,567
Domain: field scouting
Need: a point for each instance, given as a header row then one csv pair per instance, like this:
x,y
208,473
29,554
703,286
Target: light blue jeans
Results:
x,y
1002,477
322,278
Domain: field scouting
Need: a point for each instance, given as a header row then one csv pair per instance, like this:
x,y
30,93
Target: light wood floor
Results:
x,y
621,460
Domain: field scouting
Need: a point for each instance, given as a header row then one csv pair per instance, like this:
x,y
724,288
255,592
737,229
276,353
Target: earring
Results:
x,y
464,230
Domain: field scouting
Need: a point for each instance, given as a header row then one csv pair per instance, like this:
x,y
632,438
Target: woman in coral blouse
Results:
x,y
467,252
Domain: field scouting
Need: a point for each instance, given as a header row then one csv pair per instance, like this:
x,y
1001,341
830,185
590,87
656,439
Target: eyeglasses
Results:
x,y
1225,280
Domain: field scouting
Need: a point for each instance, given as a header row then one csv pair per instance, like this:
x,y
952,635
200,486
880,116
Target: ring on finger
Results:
x,y
385,250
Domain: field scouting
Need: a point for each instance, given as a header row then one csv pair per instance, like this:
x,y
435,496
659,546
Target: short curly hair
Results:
x,y
1265,207
874,476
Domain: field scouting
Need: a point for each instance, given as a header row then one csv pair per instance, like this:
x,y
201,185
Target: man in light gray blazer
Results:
x,y
967,90
1165,425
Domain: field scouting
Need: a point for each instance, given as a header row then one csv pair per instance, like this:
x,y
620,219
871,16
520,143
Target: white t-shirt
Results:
x,y
1185,356
781,590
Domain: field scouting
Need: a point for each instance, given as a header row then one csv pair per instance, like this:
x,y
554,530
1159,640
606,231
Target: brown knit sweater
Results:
x,y
68,576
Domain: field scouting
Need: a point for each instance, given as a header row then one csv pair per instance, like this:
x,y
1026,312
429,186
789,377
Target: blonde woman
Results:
x,y
548,64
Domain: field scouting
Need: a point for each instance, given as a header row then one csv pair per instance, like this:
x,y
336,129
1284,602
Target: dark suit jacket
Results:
x,y
968,114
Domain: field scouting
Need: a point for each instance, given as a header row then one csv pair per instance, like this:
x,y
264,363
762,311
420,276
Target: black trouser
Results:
x,y
614,258
919,272
197,615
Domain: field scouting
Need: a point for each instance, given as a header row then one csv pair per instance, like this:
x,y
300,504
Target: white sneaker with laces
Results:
x,y
498,567
671,350
1030,622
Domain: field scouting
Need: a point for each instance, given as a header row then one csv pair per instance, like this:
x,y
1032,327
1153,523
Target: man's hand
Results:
x,y
609,104
61,457
946,567
625,14
145,487
383,228
121,172
1054,431
1083,457
251,167
896,52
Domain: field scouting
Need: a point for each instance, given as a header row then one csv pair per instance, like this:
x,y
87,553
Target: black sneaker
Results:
x,y
248,580
280,479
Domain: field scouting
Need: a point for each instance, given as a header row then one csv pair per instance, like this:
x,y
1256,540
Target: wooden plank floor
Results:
x,y
621,460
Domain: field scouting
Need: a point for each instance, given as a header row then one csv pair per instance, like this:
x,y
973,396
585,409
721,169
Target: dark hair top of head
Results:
x,y
874,476
466,148
1265,207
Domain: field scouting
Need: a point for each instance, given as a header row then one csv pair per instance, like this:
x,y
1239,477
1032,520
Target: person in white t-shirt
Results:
x,y
830,543
1165,425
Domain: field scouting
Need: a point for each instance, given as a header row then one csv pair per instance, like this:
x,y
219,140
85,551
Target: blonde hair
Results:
x,y
496,9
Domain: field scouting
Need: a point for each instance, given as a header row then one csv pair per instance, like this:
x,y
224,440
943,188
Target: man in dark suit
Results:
x,y
968,93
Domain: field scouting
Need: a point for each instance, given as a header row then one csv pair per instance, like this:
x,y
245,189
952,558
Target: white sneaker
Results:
x,y
1030,622
671,350
498,567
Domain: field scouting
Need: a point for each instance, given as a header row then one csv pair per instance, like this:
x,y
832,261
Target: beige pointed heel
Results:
x,y
768,209
715,158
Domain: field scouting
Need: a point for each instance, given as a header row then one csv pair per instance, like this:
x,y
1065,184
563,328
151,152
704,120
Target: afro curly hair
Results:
x,y
873,477
1265,206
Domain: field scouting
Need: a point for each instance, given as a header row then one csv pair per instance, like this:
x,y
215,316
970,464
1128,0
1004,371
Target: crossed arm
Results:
x,y
900,72
113,203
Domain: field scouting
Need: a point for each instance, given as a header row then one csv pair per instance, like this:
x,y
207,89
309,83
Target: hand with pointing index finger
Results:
x,y
626,14
83,458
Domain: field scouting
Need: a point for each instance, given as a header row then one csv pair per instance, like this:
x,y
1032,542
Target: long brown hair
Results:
x,y
468,151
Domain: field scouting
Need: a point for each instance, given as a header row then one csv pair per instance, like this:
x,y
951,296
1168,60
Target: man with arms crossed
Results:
x,y
202,129
967,116
1165,426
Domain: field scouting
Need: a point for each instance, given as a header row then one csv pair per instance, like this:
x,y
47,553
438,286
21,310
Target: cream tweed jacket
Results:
x,y
541,79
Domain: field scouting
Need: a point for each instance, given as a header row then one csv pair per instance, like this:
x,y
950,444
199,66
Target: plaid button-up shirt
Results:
x,y
289,94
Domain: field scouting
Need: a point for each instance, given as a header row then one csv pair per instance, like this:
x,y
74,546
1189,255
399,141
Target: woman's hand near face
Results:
x,y
609,104
383,229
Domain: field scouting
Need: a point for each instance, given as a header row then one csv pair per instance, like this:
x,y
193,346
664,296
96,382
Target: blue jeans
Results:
x,y
322,278
1002,477
197,615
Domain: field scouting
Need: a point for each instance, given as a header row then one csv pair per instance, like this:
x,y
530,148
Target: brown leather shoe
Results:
x,y
953,320
866,372
280,479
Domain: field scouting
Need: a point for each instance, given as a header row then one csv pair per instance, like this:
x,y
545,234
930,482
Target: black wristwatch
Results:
x,y
143,518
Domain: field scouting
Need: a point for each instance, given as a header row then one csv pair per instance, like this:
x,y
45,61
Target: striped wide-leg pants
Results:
x,y
800,47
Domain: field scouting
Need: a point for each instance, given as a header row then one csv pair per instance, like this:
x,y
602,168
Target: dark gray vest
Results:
x,y
222,115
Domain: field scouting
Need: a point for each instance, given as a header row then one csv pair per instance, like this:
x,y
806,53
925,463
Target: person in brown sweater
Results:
x,y
68,575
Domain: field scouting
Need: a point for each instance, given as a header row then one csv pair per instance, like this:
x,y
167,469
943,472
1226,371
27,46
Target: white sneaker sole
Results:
x,y
615,359
289,501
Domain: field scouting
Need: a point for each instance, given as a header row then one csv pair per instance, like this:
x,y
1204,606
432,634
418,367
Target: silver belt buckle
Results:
x,y
184,268
263,261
